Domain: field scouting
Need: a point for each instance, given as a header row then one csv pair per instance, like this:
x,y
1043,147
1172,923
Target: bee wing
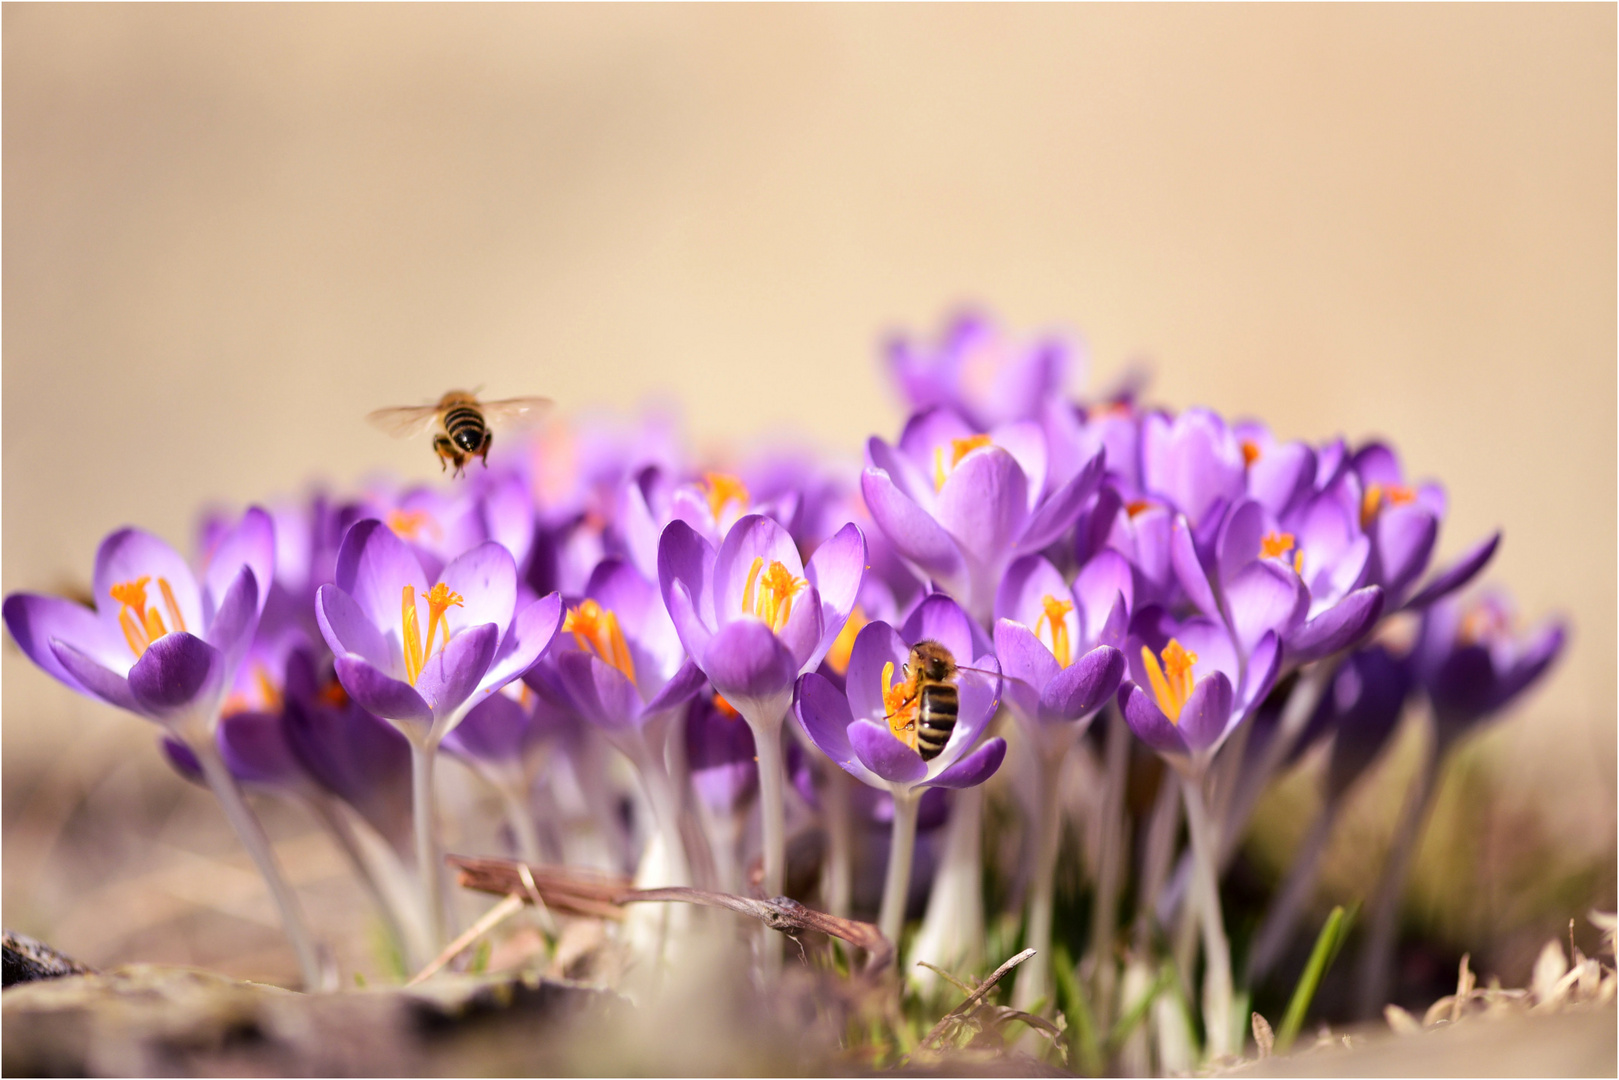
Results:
x,y
517,411
405,420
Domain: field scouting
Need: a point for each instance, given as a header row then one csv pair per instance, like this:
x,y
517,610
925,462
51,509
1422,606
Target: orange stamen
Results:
x,y
439,600
596,630
1136,506
141,626
1376,494
901,709
410,634
726,709
1275,545
773,601
959,448
1172,682
409,524
843,645
1054,615
721,489
1250,452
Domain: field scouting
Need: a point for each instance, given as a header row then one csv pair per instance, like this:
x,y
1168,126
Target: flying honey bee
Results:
x,y
463,423
930,684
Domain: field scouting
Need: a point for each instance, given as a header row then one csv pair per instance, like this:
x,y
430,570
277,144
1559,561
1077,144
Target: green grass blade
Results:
x,y
1138,1010
1326,948
1083,1048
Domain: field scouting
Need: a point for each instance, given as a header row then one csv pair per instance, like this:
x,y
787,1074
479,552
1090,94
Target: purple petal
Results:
x,y
255,748
598,691
495,729
1084,686
1263,665
1058,512
754,537
347,630
486,579
129,554
876,645
508,517
1282,476
1377,464
878,750
176,673
252,543
34,621
1025,440
376,693
836,570
88,675
939,618
980,698
1337,628
824,714
686,558
746,660
1189,569
373,567
1102,583
984,503
452,673
531,634
911,481
1207,712
1457,574
1240,538
1027,664
1405,539
693,634
1149,723
1028,580
237,616
1263,597
681,688
912,531
973,769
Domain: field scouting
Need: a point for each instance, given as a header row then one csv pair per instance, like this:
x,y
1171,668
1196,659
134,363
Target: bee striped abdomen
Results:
x,y
936,719
464,424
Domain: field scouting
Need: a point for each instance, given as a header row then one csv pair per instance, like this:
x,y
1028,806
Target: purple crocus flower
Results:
x,y
1471,662
863,728
961,504
1190,686
974,371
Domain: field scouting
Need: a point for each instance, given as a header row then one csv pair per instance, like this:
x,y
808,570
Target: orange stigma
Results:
x,y
140,626
1250,452
409,524
1136,506
901,707
596,630
439,600
769,595
843,644
726,709
1054,615
1275,545
1172,682
1376,495
722,489
959,448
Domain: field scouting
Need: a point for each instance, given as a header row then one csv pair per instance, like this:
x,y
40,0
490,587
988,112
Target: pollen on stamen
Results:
x,y
1275,545
722,489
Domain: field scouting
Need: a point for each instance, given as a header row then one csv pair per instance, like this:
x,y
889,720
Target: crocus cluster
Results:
x,y
757,640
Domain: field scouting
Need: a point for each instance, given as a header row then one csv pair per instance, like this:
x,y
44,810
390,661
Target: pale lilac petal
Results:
x,y
932,430
805,631
1027,580
681,688
694,635
1337,628
1405,539
746,660
1240,536
1377,464
836,570
686,558
347,630
1189,571
640,528
973,769
486,580
1025,440
1116,625
508,517
252,543
914,533
1264,663
373,567
875,646
379,695
231,631
129,554
911,479
178,672
1457,574
34,621
1058,512
1282,476
1027,664
1263,597
1149,723
980,696
755,538
1206,715
88,675
598,691
1084,686
452,673
878,750
1212,643
939,618
1103,582
984,503
824,714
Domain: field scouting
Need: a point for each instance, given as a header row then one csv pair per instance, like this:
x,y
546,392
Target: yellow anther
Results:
x,y
959,448
410,633
843,644
769,595
1275,545
722,489
900,707
141,627
1054,615
409,524
596,630
1172,682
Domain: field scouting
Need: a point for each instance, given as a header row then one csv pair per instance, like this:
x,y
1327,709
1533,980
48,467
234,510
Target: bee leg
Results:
x,y
445,449
488,441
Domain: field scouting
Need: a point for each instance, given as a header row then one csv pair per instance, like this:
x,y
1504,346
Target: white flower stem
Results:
x,y
251,834
1377,957
1110,860
342,829
838,885
897,887
1034,976
1216,950
773,814
424,801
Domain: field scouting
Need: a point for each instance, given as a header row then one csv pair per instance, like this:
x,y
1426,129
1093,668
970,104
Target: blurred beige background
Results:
x,y
230,231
